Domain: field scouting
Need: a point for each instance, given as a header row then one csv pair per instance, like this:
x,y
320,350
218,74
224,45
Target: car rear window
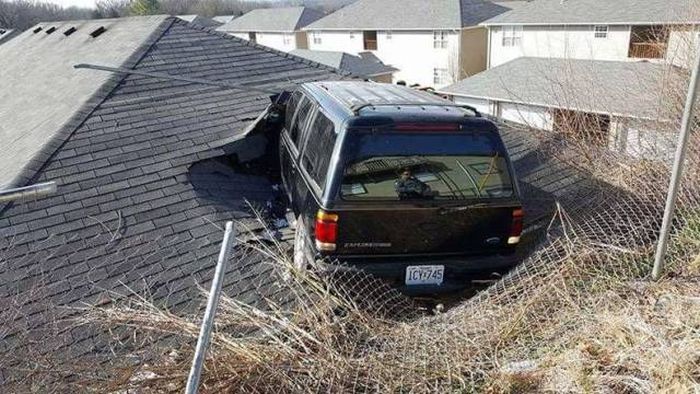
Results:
x,y
435,167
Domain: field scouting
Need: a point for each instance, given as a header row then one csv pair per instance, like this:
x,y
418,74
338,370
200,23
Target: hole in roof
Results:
x,y
50,30
98,32
38,29
69,31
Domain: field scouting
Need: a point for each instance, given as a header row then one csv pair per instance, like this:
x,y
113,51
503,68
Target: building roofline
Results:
x,y
258,31
536,104
387,29
487,24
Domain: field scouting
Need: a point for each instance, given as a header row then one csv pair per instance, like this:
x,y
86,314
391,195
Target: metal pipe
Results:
x,y
28,192
200,81
212,303
677,172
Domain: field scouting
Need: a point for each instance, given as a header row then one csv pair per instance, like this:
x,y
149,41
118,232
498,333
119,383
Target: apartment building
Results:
x,y
431,42
278,28
598,67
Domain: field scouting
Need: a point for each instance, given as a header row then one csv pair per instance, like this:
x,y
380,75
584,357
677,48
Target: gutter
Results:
x,y
534,104
488,24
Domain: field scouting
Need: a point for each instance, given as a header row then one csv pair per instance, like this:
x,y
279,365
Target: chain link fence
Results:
x,y
578,315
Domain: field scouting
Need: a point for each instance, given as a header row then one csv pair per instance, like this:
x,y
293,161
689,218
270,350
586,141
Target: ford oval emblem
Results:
x,y
493,241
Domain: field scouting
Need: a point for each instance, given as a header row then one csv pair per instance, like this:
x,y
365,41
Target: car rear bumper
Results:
x,y
459,271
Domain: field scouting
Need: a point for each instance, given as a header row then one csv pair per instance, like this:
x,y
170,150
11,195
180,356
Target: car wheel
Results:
x,y
300,258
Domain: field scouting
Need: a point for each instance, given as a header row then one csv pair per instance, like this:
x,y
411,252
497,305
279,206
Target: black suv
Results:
x,y
399,183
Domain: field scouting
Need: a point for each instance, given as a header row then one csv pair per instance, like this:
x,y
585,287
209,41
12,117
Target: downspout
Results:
x,y
488,47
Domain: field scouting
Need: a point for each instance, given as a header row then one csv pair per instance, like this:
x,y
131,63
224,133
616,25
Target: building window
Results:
x,y
316,36
252,37
440,39
388,35
287,39
440,76
352,35
370,39
512,36
600,31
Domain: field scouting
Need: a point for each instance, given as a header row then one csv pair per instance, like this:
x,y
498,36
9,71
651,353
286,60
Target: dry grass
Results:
x,y
580,314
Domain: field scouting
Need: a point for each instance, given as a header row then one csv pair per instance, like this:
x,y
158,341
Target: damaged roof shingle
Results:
x,y
135,204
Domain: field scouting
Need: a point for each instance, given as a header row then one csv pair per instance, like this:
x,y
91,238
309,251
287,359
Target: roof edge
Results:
x,y
541,105
257,31
487,24
394,29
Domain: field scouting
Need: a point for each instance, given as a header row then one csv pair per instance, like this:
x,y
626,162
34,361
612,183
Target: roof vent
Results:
x,y
69,31
38,29
50,30
98,32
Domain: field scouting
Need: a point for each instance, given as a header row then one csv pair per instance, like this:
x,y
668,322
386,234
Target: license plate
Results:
x,y
425,274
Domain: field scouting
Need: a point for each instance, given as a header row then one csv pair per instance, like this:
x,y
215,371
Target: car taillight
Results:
x,y
326,231
516,227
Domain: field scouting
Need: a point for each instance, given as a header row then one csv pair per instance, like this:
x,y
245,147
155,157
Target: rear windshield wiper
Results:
x,y
489,172
471,178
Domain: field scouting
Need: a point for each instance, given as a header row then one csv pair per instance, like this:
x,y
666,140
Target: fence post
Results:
x,y
677,172
27,192
212,303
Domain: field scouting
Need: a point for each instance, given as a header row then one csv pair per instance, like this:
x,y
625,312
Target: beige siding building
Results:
x,y
433,43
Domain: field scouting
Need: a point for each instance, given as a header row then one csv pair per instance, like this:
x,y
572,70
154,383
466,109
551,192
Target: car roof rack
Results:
x,y
358,107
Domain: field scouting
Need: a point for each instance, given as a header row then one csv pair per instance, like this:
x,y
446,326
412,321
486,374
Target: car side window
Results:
x,y
292,105
303,112
319,148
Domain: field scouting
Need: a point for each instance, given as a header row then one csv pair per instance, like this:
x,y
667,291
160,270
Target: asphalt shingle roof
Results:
x,y
287,19
364,65
411,14
37,73
567,12
622,88
145,182
143,185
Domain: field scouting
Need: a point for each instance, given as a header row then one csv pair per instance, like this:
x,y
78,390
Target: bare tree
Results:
x,y
22,14
111,8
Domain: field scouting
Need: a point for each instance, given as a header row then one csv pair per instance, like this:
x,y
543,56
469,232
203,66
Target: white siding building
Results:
x,y
432,43
278,28
620,102
591,66
657,30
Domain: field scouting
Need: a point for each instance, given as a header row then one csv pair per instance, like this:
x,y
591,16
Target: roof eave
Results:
x,y
310,28
380,73
488,24
545,105
257,31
